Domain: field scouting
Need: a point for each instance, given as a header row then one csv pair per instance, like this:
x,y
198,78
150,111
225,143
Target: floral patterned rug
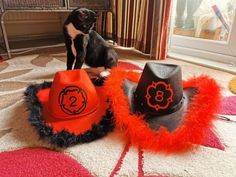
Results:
x,y
22,151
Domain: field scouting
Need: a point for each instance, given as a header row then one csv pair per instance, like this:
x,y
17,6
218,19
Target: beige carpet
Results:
x,y
101,157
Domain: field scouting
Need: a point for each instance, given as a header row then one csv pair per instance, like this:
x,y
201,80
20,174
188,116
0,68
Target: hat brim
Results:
x,y
197,120
64,133
170,121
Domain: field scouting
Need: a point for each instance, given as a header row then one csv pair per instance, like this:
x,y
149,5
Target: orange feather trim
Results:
x,y
196,121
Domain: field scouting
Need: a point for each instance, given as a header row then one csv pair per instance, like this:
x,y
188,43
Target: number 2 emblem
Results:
x,y
72,100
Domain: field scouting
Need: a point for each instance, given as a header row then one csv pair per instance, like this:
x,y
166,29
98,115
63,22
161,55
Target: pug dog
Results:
x,y
83,44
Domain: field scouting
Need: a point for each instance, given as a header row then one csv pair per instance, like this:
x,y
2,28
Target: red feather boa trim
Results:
x,y
192,132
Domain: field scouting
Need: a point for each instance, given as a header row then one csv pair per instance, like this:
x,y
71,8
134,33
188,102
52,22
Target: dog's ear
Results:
x,y
83,16
95,14
75,10
81,13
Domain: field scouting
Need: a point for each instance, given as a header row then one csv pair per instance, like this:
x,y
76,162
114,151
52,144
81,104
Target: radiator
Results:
x,y
24,4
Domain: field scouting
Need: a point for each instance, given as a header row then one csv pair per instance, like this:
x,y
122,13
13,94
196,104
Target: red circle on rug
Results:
x,y
127,65
39,162
228,106
1,59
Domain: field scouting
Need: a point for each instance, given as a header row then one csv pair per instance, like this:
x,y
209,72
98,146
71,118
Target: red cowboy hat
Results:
x,y
69,110
158,111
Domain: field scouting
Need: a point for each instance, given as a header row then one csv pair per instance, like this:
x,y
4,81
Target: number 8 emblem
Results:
x,y
72,100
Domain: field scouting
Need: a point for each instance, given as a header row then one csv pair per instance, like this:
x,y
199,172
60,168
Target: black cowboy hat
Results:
x,y
158,110
160,96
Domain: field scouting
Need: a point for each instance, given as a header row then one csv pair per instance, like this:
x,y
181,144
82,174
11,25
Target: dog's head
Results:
x,y
83,19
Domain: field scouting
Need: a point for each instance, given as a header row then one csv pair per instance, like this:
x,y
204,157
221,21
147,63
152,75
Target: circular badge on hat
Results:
x,y
72,100
159,95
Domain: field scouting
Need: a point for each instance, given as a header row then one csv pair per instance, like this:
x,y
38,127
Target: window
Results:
x,y
204,29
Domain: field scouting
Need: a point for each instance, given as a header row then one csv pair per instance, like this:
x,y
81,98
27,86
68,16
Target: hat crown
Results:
x,y
159,90
72,94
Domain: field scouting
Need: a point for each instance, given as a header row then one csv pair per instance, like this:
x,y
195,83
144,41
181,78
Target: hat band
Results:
x,y
170,110
59,118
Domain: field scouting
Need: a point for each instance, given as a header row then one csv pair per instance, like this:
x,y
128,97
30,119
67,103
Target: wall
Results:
x,y
32,24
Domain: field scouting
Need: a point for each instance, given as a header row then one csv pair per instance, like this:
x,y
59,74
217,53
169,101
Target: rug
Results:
x,y
128,65
228,106
1,60
109,156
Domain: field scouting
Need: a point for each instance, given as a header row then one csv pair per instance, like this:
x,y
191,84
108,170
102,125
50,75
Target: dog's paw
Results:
x,y
104,73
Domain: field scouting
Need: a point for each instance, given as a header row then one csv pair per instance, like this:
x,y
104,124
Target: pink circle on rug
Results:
x,y
39,162
212,141
1,59
228,106
127,65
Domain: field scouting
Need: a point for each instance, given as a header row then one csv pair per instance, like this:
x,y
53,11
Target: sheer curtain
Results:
x,y
142,24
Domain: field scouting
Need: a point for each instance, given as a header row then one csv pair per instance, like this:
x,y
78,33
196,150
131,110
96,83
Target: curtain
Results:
x,y
142,24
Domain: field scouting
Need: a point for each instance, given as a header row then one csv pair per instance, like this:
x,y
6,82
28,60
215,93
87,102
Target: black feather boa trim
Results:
x,y
63,138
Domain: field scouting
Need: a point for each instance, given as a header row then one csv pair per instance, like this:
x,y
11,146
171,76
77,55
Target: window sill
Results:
x,y
227,67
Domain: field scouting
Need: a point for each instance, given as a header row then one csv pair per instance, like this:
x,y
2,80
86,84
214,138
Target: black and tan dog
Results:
x,y
84,44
